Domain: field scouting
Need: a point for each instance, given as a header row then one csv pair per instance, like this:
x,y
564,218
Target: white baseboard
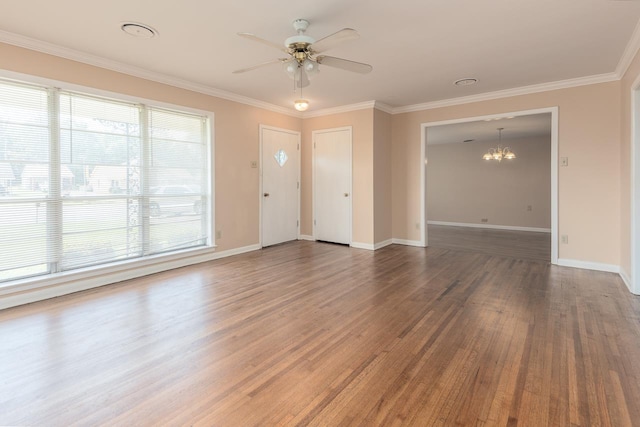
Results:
x,y
236,251
307,237
382,244
371,247
586,265
408,242
42,288
490,226
367,246
626,278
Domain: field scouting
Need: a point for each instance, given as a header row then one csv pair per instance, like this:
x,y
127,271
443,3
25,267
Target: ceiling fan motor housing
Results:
x,y
299,42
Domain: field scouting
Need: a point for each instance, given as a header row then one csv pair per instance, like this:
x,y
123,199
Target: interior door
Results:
x,y
332,185
280,170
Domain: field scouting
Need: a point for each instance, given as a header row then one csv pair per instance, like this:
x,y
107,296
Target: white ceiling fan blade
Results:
x,y
334,39
263,41
273,61
344,64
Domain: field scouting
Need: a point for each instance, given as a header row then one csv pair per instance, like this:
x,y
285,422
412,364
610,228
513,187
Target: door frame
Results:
x,y
554,169
632,278
260,179
313,174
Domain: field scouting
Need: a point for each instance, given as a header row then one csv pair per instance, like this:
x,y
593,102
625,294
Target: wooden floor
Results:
x,y
517,244
318,334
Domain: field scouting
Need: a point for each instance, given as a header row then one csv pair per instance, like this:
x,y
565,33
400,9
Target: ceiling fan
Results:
x,y
303,61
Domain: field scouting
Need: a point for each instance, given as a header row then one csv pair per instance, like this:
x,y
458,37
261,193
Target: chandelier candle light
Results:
x,y
499,153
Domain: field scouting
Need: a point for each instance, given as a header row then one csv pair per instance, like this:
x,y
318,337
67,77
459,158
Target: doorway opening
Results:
x,y
499,203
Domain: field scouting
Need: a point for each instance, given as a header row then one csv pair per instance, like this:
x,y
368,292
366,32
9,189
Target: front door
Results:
x,y
280,167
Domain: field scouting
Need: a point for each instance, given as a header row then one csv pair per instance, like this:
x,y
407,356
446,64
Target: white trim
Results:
x,y
43,287
524,90
120,67
407,242
554,167
555,147
260,178
382,244
313,175
424,231
491,226
97,61
634,170
237,251
629,52
76,281
627,280
383,107
306,237
85,58
341,109
367,246
586,265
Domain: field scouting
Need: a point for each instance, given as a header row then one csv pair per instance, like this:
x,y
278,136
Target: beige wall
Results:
x,y
463,188
361,123
382,176
236,133
626,88
589,188
590,123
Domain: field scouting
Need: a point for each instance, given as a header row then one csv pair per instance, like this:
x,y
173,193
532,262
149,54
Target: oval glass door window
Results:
x,y
281,157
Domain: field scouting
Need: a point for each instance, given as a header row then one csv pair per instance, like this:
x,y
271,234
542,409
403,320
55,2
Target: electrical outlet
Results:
x,y
529,208
219,234
564,239
484,220
254,164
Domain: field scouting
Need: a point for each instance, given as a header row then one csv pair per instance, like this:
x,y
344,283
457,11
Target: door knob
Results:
x,y
266,194
346,194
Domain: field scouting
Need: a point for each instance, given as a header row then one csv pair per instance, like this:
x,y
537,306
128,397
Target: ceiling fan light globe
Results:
x,y
311,68
301,104
291,68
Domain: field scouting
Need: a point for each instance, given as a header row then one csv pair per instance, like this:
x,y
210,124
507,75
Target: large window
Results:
x,y
88,181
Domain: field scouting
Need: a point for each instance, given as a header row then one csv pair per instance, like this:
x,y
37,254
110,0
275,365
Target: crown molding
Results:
x,y
85,58
351,107
524,90
383,107
48,48
629,52
340,110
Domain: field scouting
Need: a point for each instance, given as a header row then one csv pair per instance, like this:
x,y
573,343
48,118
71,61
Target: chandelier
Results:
x,y
499,153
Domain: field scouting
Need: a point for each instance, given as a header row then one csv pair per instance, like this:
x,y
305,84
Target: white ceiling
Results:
x,y
417,47
534,125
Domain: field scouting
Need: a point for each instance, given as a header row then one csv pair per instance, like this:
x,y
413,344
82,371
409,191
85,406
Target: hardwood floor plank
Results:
x,y
317,334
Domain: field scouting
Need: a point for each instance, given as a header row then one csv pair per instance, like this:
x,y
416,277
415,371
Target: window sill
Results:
x,y
37,288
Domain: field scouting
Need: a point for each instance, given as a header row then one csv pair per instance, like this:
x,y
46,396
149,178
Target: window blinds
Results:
x,y
89,181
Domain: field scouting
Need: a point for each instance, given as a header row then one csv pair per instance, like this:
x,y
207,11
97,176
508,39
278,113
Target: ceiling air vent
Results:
x,y
138,30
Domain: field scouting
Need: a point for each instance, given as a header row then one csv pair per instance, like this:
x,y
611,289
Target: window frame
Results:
x,y
15,292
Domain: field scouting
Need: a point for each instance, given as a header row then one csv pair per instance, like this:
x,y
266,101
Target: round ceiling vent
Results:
x,y
136,29
465,82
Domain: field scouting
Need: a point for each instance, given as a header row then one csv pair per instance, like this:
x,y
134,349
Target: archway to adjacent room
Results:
x,y
495,121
